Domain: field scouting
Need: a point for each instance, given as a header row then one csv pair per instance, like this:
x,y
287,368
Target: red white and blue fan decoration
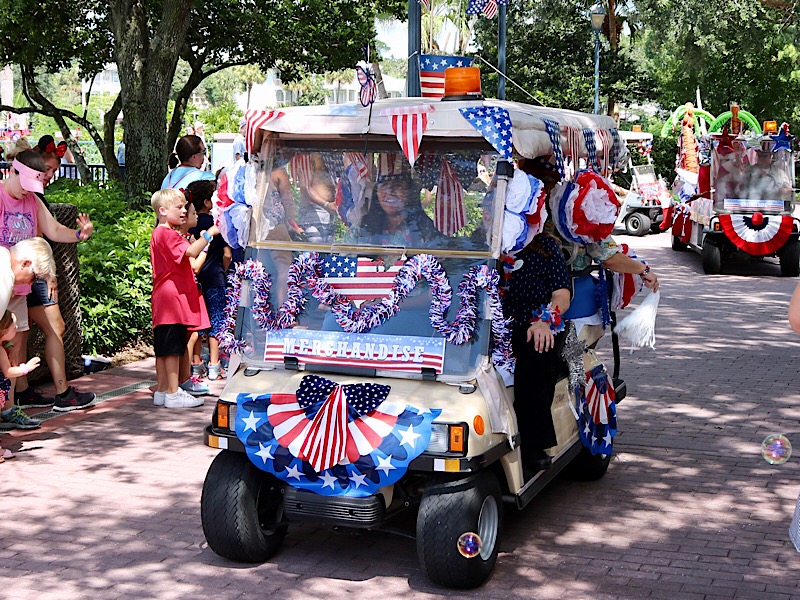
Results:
x,y
232,203
525,211
369,88
494,124
626,285
757,234
584,211
596,411
331,439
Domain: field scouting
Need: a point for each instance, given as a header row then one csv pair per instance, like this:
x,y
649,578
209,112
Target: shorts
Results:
x,y
40,294
19,306
170,340
215,303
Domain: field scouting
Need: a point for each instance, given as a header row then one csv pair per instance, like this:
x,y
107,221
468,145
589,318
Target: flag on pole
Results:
x,y
487,7
256,119
408,125
450,212
431,72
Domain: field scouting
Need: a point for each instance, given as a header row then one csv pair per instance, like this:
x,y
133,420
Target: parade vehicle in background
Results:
x,y
738,192
643,205
367,387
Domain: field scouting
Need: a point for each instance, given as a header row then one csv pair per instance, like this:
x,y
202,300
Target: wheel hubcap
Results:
x,y
488,523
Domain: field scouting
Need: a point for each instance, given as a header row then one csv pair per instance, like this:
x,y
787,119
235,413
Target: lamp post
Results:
x,y
598,16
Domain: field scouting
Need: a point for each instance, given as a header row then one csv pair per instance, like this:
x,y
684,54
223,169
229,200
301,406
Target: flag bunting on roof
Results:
x,y
408,124
591,149
494,124
256,119
554,132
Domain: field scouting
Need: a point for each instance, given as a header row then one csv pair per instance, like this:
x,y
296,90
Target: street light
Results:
x,y
598,16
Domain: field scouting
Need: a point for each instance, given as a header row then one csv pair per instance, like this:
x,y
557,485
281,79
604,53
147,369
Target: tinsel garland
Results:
x,y
306,272
549,314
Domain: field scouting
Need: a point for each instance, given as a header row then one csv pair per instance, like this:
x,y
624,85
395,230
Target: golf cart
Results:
x,y
357,392
642,206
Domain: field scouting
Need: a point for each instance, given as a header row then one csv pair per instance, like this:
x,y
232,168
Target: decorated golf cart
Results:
x,y
737,187
369,352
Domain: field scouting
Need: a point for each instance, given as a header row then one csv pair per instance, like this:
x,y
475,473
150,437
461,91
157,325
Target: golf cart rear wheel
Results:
x,y
241,509
790,259
637,224
677,244
587,466
712,258
449,510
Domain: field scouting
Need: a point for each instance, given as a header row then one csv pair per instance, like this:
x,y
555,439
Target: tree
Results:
x,y
145,38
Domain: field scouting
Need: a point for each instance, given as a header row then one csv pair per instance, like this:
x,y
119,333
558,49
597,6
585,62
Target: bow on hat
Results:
x,y
330,407
59,150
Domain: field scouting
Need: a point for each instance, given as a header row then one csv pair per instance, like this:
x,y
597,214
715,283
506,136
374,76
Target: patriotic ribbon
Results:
x,y
591,149
409,124
256,119
554,132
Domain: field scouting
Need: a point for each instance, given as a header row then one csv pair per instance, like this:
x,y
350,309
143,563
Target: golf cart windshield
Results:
x,y
751,179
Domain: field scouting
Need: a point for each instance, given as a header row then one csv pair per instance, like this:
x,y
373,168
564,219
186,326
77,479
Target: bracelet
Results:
x,y
549,314
78,234
207,236
24,367
8,345
646,271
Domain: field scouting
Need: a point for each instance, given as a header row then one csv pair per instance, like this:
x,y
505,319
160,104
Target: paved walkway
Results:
x,y
104,503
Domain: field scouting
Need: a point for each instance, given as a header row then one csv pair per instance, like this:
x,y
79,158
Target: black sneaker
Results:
x,y
73,400
31,398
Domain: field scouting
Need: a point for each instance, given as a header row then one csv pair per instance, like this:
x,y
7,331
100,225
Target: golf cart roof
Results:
x,y
530,137
631,137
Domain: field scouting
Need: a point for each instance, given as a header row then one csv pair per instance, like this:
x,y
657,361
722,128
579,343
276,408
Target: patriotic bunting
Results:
x,y
450,211
554,132
409,124
616,149
494,124
596,411
256,119
757,234
431,72
591,150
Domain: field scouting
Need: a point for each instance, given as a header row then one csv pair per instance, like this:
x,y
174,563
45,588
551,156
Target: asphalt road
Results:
x,y
105,504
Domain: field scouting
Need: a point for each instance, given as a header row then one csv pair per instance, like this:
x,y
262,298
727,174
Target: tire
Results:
x,y
790,259
241,510
712,258
677,244
637,224
449,509
587,466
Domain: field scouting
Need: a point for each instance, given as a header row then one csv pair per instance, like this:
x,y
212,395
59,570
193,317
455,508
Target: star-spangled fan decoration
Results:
x,y
494,124
596,411
379,445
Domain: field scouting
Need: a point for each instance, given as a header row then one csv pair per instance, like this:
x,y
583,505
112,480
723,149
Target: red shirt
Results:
x,y
176,299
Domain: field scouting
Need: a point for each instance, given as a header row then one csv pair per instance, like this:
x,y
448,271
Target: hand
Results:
x,y
85,226
213,230
541,335
32,363
52,289
651,281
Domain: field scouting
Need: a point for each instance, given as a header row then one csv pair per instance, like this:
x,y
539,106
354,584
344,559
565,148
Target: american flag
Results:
x,y
487,7
358,160
600,395
302,170
450,212
256,119
359,279
431,72
494,124
425,3
409,124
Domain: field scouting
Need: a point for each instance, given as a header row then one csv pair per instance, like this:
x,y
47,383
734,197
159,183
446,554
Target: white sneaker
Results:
x,y
214,371
195,387
181,399
158,398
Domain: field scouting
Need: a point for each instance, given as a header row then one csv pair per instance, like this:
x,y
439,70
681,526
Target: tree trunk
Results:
x,y
146,62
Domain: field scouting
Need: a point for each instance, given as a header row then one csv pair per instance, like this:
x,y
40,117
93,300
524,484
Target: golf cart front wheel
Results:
x,y
637,224
712,258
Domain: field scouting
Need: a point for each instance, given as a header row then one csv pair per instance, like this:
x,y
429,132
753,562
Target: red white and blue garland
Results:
x,y
757,234
305,272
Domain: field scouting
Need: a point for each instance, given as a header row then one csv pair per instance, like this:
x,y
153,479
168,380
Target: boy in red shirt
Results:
x,y
176,299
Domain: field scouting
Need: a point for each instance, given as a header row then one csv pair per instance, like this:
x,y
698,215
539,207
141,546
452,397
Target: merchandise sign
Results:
x,y
365,350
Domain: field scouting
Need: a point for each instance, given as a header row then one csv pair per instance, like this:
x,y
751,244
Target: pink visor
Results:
x,y
31,180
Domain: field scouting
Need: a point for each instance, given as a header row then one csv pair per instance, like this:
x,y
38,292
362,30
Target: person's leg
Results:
x,y
50,321
21,344
171,369
161,374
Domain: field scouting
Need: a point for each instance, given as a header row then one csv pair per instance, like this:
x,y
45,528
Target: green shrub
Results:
x,y
115,277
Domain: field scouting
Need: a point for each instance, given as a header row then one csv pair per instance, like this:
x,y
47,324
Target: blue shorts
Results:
x,y
215,304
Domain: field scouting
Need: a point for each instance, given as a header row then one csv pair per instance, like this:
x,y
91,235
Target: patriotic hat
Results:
x,y
584,212
525,211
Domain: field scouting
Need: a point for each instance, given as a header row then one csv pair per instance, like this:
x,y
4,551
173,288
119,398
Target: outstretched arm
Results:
x,y
622,263
58,233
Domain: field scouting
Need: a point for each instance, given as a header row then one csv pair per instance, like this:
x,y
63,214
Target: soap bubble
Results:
x,y
469,544
776,449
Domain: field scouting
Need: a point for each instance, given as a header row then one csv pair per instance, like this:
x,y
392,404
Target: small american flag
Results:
x,y
256,119
450,212
487,7
431,72
358,160
360,279
425,3
302,170
409,124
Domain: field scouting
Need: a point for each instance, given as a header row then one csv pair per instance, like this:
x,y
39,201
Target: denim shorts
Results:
x,y
40,294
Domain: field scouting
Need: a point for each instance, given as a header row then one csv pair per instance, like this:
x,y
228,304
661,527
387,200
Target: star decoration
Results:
x,y
409,436
264,452
358,479
385,465
293,473
327,479
607,438
251,422
783,141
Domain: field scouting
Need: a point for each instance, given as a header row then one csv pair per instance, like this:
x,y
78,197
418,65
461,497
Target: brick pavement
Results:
x,y
104,504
